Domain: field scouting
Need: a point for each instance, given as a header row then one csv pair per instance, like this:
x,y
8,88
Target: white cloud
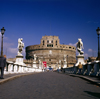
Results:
x,y
90,50
7,44
92,22
72,44
89,22
96,22
4,37
8,47
86,55
13,50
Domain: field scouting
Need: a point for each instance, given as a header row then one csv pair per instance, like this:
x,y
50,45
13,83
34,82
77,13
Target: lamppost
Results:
x,y
2,32
98,32
67,60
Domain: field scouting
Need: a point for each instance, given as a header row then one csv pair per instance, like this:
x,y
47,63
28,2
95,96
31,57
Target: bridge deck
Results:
x,y
49,85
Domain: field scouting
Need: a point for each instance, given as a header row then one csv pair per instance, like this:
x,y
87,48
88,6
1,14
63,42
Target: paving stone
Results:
x,y
49,85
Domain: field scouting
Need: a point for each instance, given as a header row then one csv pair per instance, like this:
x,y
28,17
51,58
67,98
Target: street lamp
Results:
x,y
2,32
98,32
67,60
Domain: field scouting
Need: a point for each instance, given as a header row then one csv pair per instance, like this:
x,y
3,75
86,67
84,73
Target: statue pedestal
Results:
x,y
19,60
34,64
65,64
80,58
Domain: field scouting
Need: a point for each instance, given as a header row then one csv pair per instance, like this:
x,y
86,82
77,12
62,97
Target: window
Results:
x,y
50,45
52,41
56,42
43,42
47,41
69,47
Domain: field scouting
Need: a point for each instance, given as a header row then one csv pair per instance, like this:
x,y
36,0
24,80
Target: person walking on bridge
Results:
x,y
80,67
2,65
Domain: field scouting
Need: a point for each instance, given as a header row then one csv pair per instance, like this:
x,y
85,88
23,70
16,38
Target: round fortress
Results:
x,y
51,51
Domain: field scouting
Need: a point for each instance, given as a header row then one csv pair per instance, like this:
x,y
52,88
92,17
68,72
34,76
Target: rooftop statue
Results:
x,y
79,46
65,58
35,57
20,46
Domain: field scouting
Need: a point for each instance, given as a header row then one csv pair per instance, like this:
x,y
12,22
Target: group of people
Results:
x,y
2,65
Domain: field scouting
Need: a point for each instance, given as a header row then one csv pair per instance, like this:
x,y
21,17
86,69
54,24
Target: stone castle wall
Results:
x,y
51,51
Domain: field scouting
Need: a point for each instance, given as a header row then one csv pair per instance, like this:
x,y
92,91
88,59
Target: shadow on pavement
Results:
x,y
93,94
93,83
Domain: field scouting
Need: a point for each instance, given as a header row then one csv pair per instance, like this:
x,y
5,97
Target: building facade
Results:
x,y
51,51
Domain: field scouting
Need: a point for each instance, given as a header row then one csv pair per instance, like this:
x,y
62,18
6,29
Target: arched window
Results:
x,y
52,41
47,41
43,42
56,42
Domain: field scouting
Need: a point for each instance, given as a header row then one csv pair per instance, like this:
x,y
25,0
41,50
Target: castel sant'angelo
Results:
x,y
51,51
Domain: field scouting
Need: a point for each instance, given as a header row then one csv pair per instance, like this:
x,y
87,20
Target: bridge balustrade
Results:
x,y
96,69
84,70
91,69
12,67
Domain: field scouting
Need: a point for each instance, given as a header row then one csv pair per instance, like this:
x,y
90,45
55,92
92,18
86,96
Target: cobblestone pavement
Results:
x,y
49,85
8,77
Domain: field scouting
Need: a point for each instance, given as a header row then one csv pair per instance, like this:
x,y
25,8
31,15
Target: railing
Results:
x,y
16,68
91,69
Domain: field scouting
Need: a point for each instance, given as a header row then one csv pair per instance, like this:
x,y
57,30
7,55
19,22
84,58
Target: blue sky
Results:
x,y
32,19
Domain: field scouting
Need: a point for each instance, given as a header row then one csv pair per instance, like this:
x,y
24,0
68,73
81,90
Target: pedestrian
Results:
x,y
58,70
80,67
62,65
2,65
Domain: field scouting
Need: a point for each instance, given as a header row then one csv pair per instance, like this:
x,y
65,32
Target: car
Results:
x,y
50,69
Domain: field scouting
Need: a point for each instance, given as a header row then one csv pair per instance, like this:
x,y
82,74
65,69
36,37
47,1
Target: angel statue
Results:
x,y
35,57
20,46
65,58
79,46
